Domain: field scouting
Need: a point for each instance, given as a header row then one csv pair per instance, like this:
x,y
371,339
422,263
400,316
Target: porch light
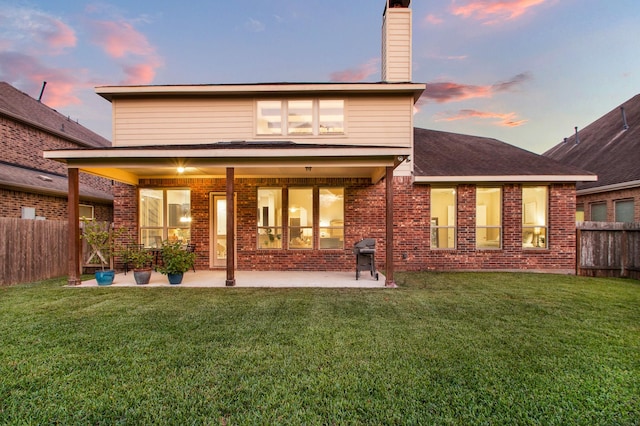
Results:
x,y
180,170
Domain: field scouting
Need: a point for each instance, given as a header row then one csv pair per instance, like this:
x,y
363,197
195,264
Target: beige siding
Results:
x,y
380,121
370,120
396,46
181,121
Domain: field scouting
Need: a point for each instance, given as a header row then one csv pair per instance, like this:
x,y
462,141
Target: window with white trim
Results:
x,y
86,211
314,218
443,218
165,214
488,217
534,216
300,117
269,218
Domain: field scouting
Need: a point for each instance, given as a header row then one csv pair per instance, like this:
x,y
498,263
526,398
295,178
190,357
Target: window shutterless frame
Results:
x,y
300,117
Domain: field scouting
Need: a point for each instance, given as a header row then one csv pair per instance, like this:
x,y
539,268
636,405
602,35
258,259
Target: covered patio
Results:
x,y
231,161
274,279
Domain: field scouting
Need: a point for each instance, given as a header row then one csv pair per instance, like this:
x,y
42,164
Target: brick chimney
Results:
x,y
396,41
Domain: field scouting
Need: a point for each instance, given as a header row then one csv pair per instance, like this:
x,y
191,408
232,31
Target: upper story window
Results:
x,y
302,117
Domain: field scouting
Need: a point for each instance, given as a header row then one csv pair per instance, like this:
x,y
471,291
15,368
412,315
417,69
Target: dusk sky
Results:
x,y
522,71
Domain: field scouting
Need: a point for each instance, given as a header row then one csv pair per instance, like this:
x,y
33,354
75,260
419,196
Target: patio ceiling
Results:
x,y
130,164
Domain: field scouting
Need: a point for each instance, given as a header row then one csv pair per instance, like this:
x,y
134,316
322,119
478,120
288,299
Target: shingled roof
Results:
x,y
606,148
451,155
22,107
40,182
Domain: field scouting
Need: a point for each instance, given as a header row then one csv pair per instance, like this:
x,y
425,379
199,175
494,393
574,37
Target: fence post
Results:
x,y
578,251
624,253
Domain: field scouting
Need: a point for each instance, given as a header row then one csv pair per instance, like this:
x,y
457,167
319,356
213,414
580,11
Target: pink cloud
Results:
x,y
442,92
494,11
121,41
120,38
504,119
360,73
59,35
139,73
433,19
29,73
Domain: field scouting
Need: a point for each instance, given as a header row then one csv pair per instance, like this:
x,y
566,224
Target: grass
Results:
x,y
444,348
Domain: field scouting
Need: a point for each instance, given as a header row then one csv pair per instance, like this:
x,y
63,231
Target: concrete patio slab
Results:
x,y
275,279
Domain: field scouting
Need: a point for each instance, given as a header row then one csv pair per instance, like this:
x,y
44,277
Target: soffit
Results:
x,y
129,164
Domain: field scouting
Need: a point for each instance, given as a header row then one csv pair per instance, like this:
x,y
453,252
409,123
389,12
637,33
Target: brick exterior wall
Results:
x,y
610,198
49,207
365,217
23,146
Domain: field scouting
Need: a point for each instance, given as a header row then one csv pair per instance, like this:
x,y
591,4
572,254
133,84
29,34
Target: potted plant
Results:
x,y
175,261
140,259
102,240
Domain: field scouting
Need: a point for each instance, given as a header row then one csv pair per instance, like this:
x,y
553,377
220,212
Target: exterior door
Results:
x,y
218,248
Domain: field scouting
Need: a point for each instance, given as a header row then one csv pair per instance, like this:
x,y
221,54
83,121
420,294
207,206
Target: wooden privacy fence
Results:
x,y
32,250
608,249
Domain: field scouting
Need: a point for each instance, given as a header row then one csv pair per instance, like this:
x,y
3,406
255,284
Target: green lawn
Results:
x,y
444,348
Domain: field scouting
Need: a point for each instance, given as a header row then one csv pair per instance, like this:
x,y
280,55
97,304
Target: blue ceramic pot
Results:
x,y
105,277
175,278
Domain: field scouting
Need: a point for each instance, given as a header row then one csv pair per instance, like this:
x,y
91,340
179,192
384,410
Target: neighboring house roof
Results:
x,y
36,181
452,157
21,107
607,149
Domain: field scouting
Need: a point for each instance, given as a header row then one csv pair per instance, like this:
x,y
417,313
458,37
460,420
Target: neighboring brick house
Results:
x,y
610,148
32,186
312,168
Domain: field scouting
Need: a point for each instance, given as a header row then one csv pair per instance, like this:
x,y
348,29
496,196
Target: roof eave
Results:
x,y
224,153
111,92
504,178
45,129
608,188
55,192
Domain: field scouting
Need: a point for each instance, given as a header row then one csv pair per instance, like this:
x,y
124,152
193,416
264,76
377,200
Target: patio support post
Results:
x,y
389,227
231,261
73,208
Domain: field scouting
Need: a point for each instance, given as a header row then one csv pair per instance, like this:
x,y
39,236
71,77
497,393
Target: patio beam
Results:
x,y
73,208
389,228
231,261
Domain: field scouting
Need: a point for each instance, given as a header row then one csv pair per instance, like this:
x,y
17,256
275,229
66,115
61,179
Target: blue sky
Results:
x,y
522,71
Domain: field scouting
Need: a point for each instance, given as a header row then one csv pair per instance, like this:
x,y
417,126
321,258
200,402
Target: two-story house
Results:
x,y
288,176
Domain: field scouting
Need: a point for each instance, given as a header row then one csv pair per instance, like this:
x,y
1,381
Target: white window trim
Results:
x,y
284,118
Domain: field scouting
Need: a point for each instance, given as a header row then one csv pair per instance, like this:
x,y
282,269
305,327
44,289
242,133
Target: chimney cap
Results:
x,y
397,3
